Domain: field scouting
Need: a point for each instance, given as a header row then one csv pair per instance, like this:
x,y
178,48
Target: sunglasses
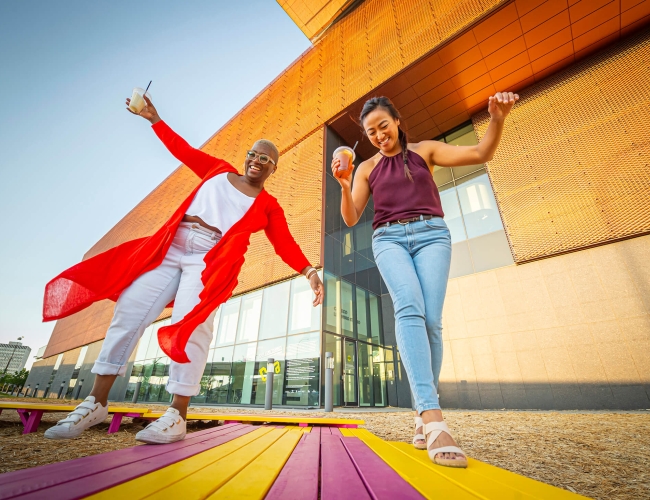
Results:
x,y
264,159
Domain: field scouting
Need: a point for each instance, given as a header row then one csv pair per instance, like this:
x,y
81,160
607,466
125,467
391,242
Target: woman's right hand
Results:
x,y
149,112
343,176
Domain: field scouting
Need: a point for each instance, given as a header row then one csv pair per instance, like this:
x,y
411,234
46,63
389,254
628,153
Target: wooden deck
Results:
x,y
272,462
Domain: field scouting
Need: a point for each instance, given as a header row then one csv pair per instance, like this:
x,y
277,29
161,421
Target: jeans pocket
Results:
x,y
378,232
436,223
202,244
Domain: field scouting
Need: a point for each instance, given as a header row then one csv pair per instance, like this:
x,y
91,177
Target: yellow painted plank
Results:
x,y
265,418
54,407
347,432
144,486
414,472
491,481
257,478
211,477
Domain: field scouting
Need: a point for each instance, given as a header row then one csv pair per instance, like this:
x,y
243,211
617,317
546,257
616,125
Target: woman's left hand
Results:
x,y
500,104
318,288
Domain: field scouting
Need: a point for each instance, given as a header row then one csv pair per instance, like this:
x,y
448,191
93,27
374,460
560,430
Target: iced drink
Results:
x,y
346,156
137,102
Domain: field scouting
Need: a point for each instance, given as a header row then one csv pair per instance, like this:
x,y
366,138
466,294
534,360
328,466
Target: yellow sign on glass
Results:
x,y
276,369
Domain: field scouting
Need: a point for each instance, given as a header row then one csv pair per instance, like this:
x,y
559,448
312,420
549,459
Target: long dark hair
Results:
x,y
386,103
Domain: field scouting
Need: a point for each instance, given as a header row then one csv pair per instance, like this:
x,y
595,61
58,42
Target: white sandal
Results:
x,y
433,430
419,436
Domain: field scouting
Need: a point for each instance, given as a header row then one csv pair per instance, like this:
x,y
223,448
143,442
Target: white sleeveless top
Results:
x,y
220,204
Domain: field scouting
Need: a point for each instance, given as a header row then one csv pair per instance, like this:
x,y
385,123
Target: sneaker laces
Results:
x,y
79,413
165,421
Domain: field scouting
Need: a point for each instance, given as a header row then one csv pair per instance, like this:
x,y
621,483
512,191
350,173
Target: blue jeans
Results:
x,y
414,261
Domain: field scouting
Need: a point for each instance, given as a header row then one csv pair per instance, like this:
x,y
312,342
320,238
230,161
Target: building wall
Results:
x,y
572,168
567,332
13,357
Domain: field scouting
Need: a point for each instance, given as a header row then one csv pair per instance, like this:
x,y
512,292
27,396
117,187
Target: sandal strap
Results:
x,y
433,430
446,449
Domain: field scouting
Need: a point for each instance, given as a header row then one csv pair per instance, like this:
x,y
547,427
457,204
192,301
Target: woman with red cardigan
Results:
x,y
193,260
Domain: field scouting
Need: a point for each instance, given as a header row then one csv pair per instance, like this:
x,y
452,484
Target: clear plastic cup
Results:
x,y
346,156
137,103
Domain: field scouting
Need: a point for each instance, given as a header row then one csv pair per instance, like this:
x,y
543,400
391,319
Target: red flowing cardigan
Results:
x,y
106,275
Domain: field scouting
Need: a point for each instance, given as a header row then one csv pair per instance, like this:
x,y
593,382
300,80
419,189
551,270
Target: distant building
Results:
x,y
40,352
13,356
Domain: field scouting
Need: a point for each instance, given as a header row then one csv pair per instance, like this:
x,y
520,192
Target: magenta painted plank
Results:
x,y
381,481
88,485
335,432
27,480
33,421
339,478
116,421
298,479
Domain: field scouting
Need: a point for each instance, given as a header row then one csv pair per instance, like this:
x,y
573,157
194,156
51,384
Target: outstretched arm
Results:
x,y
353,198
446,155
198,161
277,231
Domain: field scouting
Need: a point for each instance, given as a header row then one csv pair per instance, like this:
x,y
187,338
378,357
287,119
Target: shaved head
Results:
x,y
273,151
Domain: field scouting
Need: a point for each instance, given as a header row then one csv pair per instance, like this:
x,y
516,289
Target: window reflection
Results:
x,y
228,324
249,317
275,311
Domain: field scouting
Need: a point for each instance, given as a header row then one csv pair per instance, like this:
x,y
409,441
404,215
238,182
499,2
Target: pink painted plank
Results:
x,y
298,479
47,476
335,432
115,423
33,421
339,478
381,481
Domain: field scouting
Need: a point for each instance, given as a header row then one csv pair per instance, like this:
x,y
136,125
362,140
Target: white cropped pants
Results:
x,y
177,278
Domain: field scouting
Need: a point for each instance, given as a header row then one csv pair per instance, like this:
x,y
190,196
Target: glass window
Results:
x,y
243,371
249,317
453,215
379,376
366,386
347,309
58,361
275,311
375,319
302,370
304,317
215,327
82,356
221,379
362,313
478,204
333,345
228,324
330,304
265,350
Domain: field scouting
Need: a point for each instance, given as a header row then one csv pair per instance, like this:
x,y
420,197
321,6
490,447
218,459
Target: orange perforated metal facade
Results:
x,y
314,16
573,169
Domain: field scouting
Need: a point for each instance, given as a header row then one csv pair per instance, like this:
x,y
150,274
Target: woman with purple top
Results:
x,y
412,247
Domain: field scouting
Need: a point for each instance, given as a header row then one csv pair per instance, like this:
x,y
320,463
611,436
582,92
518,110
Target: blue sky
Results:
x,y
74,161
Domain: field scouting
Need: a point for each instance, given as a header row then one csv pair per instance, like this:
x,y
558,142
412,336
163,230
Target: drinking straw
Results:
x,y
355,145
145,90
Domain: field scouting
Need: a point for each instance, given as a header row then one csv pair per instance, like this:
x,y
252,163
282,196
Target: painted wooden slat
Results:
x,y
414,472
201,483
335,431
492,482
256,479
339,478
65,408
34,479
298,479
149,484
380,480
293,419
83,487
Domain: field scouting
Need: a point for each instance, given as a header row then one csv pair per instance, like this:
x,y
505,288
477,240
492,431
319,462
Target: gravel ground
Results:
x,y
599,455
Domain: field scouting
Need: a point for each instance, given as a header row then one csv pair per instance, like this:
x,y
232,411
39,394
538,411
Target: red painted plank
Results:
x,y
34,479
88,485
339,478
379,478
298,479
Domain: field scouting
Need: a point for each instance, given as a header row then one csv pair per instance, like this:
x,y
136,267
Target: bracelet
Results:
x,y
311,272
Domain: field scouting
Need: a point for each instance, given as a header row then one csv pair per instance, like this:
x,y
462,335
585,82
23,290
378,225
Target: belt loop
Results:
x,y
388,224
421,217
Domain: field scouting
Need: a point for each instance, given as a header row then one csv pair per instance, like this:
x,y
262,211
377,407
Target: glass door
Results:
x,y
350,373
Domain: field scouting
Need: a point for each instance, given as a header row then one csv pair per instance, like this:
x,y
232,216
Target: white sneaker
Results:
x,y
167,429
83,416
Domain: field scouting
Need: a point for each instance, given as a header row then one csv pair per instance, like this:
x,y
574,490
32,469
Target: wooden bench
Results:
x,y
31,413
260,418
271,462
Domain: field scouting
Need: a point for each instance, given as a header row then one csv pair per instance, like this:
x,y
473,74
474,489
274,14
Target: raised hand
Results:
x,y
500,104
149,112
